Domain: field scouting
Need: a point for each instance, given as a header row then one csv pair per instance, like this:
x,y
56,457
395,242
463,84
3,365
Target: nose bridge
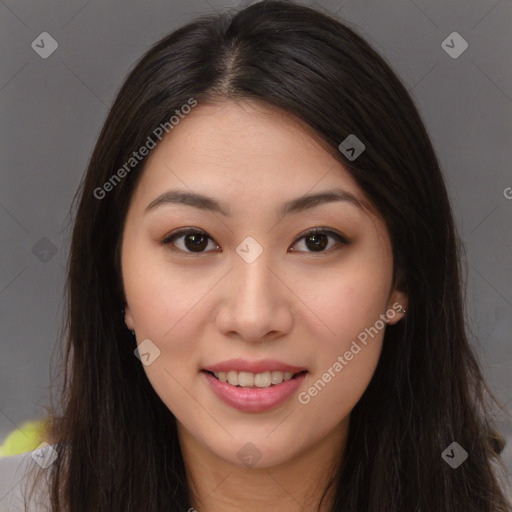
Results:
x,y
255,289
254,303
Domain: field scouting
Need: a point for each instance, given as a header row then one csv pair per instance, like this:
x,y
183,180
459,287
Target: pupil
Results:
x,y
198,241
318,244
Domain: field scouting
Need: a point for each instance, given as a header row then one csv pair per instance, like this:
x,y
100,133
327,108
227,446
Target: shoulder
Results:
x,y
505,474
15,481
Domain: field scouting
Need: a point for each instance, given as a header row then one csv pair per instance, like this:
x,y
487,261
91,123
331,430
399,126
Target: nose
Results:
x,y
255,303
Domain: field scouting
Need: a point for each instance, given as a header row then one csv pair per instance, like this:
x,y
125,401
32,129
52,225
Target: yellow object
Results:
x,y
24,439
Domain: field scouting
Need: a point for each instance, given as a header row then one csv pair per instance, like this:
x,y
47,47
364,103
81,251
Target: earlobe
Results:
x,y
398,304
397,307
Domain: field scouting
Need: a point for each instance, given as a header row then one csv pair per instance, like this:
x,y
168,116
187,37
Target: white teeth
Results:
x,y
262,380
277,377
245,379
232,378
248,379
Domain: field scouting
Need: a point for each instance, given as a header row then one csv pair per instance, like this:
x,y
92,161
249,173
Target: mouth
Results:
x,y
267,379
254,392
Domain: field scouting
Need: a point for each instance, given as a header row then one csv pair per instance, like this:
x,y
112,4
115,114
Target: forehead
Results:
x,y
245,152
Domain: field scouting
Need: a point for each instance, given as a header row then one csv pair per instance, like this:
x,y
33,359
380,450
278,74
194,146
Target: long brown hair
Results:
x,y
117,442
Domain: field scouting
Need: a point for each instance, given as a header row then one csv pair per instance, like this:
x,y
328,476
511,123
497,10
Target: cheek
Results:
x,y
346,301
166,308
349,330
346,360
160,294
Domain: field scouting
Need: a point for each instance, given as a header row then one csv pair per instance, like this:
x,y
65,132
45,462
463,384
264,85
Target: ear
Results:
x,y
128,318
398,301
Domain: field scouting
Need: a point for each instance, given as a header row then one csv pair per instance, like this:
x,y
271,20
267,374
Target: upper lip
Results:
x,y
242,365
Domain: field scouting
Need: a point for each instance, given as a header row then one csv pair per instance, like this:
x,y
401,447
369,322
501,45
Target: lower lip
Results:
x,y
254,399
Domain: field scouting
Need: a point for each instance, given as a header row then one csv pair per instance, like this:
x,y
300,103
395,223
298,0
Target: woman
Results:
x,y
265,296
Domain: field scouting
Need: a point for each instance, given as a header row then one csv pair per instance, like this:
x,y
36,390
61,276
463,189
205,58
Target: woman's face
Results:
x,y
243,288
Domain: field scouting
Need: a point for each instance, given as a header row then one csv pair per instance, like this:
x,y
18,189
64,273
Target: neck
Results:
x,y
294,485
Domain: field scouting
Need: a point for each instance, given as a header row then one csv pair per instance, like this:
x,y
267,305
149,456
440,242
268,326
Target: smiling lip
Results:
x,y
254,399
242,365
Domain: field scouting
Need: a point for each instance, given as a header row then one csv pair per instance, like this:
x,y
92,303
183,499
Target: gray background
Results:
x,y
52,111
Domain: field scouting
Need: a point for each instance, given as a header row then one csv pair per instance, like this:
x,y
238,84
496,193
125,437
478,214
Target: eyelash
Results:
x,y
167,241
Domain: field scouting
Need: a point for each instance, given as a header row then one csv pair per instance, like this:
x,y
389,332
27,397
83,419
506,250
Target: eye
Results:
x,y
317,239
196,240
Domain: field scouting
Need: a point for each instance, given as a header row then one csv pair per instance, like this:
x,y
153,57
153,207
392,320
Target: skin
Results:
x,y
301,307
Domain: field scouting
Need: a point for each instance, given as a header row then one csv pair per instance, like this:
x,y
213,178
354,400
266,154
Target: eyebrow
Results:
x,y
297,205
